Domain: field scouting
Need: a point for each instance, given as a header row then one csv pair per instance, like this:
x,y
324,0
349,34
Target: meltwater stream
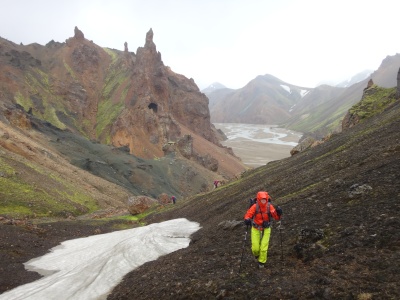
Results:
x,y
258,144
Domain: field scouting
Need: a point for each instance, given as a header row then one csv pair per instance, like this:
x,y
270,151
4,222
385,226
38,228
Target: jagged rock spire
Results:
x,y
149,39
78,34
147,56
126,46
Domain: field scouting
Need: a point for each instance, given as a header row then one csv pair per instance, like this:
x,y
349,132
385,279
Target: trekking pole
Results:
x,y
280,227
244,244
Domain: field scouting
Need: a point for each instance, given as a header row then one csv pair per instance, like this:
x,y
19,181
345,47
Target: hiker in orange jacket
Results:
x,y
260,215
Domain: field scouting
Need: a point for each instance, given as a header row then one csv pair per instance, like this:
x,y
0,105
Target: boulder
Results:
x,y
208,162
139,204
305,144
164,199
185,146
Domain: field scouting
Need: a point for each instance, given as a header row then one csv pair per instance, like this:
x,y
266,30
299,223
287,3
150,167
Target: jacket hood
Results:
x,y
262,195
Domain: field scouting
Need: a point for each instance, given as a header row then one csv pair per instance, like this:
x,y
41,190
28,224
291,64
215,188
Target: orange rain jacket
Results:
x,y
262,213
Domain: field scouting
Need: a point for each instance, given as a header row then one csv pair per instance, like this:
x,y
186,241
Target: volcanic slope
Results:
x,y
340,236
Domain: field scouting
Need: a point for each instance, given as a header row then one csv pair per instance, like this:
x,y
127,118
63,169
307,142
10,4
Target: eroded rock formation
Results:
x,y
163,102
352,119
78,34
132,101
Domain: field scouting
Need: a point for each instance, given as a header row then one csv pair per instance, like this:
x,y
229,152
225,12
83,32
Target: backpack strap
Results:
x,y
269,211
258,210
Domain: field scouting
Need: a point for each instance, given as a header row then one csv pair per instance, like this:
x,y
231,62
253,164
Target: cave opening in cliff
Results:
x,y
153,106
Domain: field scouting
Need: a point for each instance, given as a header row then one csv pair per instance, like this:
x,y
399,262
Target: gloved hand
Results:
x,y
279,211
247,222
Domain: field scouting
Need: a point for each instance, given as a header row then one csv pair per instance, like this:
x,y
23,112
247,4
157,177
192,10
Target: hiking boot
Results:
x,y
260,265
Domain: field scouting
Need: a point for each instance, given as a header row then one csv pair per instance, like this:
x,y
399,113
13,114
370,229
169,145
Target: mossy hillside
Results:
x,y
375,100
373,103
114,93
47,195
39,86
325,117
69,70
112,53
107,113
314,122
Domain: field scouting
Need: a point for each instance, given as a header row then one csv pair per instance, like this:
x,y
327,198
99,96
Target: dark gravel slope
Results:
x,y
340,237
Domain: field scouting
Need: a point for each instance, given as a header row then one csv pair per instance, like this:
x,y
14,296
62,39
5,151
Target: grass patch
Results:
x,y
51,117
297,193
25,102
112,53
22,199
39,85
110,107
19,198
70,71
375,100
107,114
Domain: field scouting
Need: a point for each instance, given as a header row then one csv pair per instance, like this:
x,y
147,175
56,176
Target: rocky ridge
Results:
x,y
114,97
123,117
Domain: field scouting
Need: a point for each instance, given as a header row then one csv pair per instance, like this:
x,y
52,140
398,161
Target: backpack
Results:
x,y
252,201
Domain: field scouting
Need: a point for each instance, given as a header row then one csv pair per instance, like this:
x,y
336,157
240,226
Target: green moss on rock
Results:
x,y
375,100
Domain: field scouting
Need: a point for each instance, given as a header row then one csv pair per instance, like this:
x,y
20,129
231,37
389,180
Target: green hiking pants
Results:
x,y
260,243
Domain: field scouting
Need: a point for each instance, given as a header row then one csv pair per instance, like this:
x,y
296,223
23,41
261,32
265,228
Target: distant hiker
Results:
x,y
216,184
259,216
173,199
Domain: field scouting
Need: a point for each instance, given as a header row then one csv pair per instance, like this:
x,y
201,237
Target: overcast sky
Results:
x,y
302,42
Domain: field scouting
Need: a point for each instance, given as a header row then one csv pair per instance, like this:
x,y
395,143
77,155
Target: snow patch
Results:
x,y
89,268
286,88
304,92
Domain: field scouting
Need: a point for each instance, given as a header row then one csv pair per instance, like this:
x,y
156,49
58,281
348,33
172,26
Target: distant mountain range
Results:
x,y
355,79
213,87
269,100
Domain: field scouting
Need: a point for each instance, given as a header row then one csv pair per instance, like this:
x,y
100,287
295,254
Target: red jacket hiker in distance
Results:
x,y
262,215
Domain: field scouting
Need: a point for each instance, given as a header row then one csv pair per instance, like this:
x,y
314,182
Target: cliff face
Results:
x,y
114,97
160,102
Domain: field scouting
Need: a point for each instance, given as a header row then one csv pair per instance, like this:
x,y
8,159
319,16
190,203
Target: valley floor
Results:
x,y
257,144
